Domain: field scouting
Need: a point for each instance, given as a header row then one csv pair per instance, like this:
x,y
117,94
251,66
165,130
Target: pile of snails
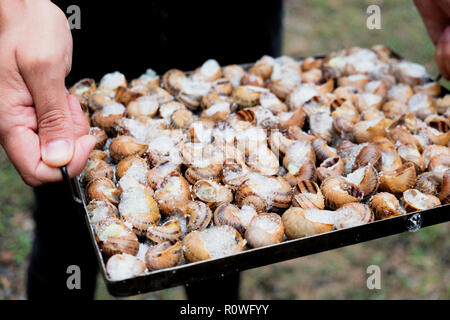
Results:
x,y
200,165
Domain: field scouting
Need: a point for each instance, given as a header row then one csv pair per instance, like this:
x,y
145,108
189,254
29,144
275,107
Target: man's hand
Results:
x,y
436,17
42,127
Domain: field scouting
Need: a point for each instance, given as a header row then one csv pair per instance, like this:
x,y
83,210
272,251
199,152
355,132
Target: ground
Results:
x,y
413,265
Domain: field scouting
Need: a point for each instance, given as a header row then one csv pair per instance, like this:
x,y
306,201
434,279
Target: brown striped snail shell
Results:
x,y
228,214
399,180
100,137
337,192
333,166
444,195
102,189
365,131
366,178
279,143
214,98
123,146
390,160
292,118
410,153
306,172
264,229
211,172
164,255
168,231
126,95
115,237
439,164
433,136
299,223
171,81
83,89
222,86
307,195
211,192
353,214
156,175
99,99
427,183
385,205
234,173
414,200
181,119
97,155
263,160
97,169
198,215
369,155
213,242
247,96
138,208
404,137
322,150
124,266
250,79
173,191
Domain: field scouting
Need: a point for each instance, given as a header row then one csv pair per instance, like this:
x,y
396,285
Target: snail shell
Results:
x,y
209,71
97,169
97,155
264,229
404,137
365,131
198,215
164,255
161,95
432,151
390,160
264,193
307,195
322,150
217,112
299,223
400,92
99,99
168,231
337,192
438,123
107,116
433,136
126,95
182,119
279,143
227,214
366,178
234,73
297,154
156,175
138,208
124,146
311,63
355,80
330,167
292,118
399,180
247,96
313,75
115,237
394,109
414,200
222,86
306,172
263,67
439,164
271,102
83,89
369,155
421,105
251,79
234,173
211,192
411,154
102,189
213,243
430,88
385,205
427,183
171,81
444,195
100,210
124,266
353,214
211,172
173,191
143,106
263,160
137,166
100,137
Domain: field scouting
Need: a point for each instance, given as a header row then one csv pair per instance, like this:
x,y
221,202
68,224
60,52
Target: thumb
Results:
x,y
55,126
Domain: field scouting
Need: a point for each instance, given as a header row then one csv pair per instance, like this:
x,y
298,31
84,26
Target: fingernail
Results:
x,y
57,153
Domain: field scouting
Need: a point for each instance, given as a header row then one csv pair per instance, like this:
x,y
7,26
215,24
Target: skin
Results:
x,y
42,127
436,17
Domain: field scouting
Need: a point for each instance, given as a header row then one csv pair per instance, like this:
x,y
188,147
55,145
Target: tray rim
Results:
x,y
139,284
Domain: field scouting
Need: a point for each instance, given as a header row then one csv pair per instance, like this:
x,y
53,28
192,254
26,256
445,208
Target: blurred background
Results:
x,y
413,265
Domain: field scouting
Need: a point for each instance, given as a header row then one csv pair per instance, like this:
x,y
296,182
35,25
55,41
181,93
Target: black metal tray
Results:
x,y
252,258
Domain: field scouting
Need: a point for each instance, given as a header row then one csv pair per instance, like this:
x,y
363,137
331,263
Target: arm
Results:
x,y
42,127
436,17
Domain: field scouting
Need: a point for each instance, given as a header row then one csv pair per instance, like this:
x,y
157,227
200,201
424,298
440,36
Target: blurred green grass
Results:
x,y
413,265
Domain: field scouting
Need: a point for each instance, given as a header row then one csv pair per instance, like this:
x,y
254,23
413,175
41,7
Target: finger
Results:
x,y
445,40
45,81
80,122
439,61
22,147
434,18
